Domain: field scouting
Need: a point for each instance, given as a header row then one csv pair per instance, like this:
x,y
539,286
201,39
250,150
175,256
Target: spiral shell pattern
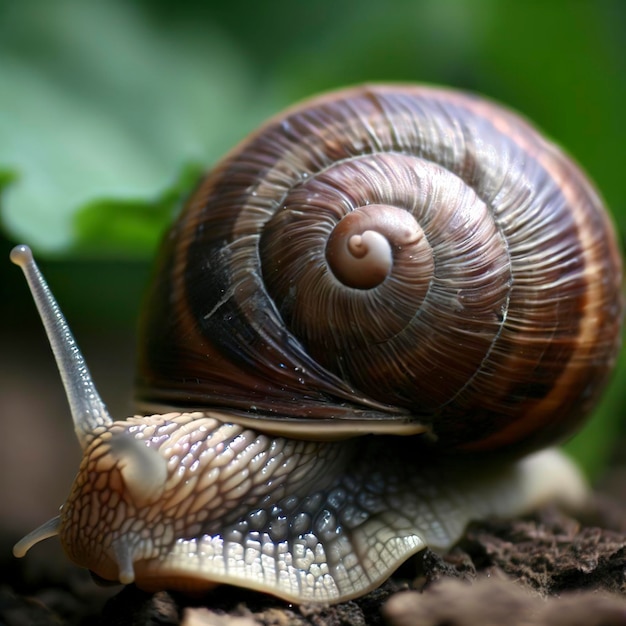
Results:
x,y
390,255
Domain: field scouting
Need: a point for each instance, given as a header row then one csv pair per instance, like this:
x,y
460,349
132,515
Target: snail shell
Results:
x,y
485,285
384,259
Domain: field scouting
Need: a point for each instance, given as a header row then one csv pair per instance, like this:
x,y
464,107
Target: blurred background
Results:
x,y
110,110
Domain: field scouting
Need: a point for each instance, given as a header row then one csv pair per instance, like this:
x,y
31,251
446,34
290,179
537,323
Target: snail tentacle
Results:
x,y
45,531
88,410
143,470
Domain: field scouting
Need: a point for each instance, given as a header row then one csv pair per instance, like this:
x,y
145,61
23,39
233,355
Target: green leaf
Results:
x,y
129,228
102,109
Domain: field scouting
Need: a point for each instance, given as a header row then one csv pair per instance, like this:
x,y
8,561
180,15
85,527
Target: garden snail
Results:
x,y
376,262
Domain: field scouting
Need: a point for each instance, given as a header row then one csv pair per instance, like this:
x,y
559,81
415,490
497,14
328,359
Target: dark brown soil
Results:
x,y
548,568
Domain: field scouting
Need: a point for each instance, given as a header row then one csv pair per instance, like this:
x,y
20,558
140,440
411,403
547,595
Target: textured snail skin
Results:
x,y
306,521
389,259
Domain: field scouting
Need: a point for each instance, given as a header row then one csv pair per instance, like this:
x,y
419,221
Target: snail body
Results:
x,y
376,262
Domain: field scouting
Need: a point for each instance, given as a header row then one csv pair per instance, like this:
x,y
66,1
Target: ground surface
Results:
x,y
548,568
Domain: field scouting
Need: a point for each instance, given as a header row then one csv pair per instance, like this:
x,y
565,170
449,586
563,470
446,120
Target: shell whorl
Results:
x,y
399,253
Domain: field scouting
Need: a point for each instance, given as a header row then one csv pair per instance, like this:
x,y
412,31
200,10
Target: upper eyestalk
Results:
x,y
87,408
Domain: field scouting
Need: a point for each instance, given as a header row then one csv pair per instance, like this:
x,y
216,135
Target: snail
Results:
x,y
365,329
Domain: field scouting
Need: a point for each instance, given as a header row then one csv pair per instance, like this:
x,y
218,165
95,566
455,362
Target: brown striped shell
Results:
x,y
390,258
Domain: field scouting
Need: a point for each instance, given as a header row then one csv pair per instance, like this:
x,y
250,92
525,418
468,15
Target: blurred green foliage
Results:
x,y
110,110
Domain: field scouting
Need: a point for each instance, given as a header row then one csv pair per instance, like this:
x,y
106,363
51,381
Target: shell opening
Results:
x,y
88,410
